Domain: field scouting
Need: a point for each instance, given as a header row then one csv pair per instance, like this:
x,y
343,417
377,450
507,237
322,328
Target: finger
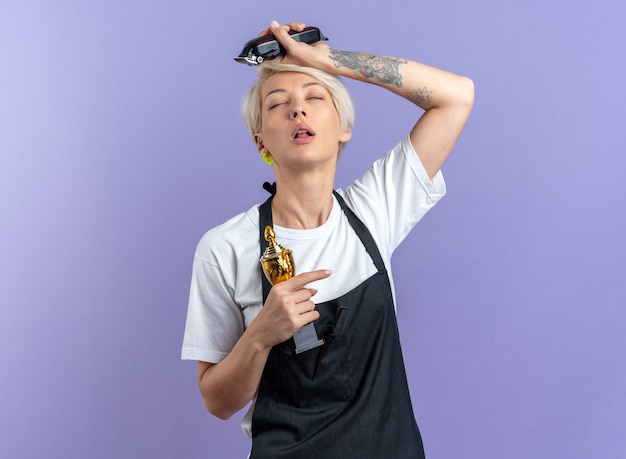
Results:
x,y
302,295
301,309
280,31
299,281
308,317
296,25
268,30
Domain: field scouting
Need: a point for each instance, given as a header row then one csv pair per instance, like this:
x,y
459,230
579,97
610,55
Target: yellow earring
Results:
x,y
267,158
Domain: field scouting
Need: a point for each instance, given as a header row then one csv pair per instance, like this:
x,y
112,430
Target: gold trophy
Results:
x,y
278,265
277,261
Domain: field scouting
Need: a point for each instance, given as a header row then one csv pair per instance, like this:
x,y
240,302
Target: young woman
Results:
x,y
349,397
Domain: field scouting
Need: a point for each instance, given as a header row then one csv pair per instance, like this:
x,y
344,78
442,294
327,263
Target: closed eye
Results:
x,y
271,106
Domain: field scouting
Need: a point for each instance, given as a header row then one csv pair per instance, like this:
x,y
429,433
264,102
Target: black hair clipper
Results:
x,y
260,49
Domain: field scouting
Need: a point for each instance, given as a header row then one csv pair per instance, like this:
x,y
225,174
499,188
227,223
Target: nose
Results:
x,y
297,112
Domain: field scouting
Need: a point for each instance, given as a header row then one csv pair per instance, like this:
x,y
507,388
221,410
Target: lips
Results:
x,y
301,132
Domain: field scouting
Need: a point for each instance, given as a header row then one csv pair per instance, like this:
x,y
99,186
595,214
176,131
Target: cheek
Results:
x,y
334,123
269,128
269,135
270,121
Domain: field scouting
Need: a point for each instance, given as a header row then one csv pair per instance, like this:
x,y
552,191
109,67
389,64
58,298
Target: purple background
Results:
x,y
121,142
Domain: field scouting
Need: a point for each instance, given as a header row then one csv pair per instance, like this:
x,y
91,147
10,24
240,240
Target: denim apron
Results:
x,y
348,398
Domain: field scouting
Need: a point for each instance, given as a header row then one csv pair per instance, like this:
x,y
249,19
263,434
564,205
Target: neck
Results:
x,y
302,201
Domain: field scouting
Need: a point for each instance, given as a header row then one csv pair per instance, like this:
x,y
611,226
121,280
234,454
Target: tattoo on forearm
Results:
x,y
382,69
420,97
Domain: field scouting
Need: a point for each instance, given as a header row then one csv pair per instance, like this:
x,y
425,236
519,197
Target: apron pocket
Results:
x,y
305,379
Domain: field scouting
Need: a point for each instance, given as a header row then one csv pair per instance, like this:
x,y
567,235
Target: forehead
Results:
x,y
287,81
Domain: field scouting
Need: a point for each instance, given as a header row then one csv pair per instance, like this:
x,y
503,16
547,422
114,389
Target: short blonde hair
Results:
x,y
251,106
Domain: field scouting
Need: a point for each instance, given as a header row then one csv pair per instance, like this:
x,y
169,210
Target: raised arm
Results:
x,y
446,98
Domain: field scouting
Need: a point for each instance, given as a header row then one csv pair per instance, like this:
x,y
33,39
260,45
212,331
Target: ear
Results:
x,y
345,136
259,142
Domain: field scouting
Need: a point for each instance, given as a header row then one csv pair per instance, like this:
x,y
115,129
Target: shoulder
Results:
x,y
401,166
229,238
394,194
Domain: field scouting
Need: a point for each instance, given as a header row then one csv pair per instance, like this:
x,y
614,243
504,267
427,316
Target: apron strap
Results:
x,y
265,219
363,233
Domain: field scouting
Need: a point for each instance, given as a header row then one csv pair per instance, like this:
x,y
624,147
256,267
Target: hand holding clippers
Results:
x,y
260,49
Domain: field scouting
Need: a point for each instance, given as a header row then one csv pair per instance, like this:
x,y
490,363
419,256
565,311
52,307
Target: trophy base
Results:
x,y
306,339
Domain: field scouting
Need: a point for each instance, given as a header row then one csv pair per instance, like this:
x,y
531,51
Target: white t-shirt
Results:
x,y
226,293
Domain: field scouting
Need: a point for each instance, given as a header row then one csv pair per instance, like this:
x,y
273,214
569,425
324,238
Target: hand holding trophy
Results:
x,y
278,265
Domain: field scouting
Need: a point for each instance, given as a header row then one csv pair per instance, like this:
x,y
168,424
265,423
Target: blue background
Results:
x,y
121,143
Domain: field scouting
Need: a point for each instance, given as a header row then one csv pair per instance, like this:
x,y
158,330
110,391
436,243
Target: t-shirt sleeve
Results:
x,y
210,331
394,194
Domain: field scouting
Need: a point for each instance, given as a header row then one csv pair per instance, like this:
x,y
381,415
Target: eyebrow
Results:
x,y
304,86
